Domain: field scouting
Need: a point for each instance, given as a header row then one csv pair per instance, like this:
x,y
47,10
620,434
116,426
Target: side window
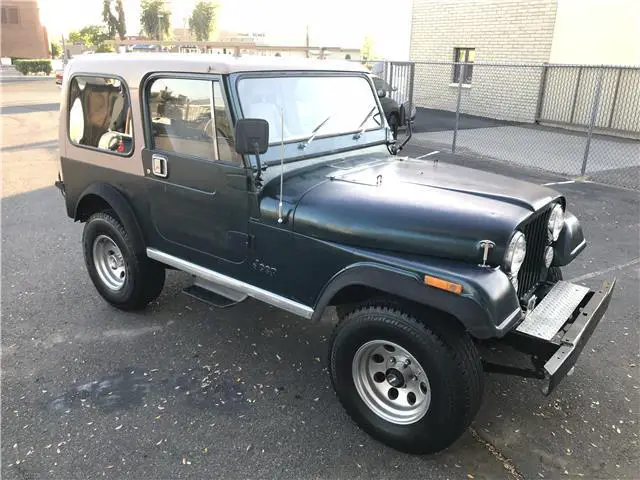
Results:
x,y
100,114
180,114
224,130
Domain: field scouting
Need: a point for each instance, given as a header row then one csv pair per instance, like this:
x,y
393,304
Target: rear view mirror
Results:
x,y
402,116
252,136
402,121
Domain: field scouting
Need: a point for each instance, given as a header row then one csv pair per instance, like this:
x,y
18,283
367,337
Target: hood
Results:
x,y
413,206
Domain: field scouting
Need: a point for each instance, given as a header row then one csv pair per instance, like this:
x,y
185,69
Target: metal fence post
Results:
x,y
455,131
541,91
412,74
592,121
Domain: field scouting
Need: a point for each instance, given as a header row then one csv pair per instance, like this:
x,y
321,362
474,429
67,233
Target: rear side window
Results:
x,y
100,114
181,117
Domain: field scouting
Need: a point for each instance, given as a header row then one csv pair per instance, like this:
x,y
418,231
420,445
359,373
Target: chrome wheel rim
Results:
x,y
109,263
391,382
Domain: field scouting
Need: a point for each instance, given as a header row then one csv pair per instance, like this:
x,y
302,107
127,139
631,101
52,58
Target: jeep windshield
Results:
x,y
313,107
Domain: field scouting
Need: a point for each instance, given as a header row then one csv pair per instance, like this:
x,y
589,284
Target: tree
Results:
x,y
202,20
56,49
367,48
104,48
75,37
155,19
115,23
90,35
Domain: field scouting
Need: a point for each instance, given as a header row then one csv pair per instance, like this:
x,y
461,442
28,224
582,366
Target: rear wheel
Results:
x,y
124,278
415,386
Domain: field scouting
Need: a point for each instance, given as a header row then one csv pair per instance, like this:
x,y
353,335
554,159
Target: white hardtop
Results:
x,y
133,66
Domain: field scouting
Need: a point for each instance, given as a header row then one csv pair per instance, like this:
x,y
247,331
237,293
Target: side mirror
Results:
x,y
402,120
402,116
382,93
252,136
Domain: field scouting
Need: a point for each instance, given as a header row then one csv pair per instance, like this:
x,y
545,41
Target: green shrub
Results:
x,y
33,66
104,48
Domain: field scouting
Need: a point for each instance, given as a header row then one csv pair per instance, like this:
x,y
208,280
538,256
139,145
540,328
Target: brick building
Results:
x,y
22,34
518,32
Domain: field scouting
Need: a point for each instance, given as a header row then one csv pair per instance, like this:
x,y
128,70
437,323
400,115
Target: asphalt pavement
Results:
x,y
183,390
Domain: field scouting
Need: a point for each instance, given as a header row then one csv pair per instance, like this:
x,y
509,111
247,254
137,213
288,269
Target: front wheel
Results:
x,y
124,278
415,386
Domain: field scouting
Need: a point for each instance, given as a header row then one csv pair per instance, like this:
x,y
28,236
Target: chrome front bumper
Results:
x,y
555,332
576,336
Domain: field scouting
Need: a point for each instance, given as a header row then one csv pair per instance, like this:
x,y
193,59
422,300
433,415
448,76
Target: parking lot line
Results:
x,y
605,270
428,154
559,183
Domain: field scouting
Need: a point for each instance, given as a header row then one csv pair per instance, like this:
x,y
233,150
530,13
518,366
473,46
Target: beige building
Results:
x,y
532,32
22,34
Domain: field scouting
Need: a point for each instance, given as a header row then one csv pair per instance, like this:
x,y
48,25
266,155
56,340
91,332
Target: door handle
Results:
x,y
159,164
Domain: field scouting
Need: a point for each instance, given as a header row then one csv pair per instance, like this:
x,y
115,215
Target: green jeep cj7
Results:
x,y
280,180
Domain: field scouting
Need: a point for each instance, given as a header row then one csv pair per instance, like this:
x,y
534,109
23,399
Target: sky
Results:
x,y
341,23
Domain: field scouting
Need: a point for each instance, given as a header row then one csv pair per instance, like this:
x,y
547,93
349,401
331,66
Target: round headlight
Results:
x,y
556,222
516,251
548,256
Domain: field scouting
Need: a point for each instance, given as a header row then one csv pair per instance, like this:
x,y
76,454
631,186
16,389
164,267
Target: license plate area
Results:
x,y
555,309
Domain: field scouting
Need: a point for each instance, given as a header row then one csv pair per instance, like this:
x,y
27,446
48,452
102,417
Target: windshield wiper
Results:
x,y
314,132
362,126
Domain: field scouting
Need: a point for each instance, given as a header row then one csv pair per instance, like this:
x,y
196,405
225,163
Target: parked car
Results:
x,y
390,105
59,73
279,180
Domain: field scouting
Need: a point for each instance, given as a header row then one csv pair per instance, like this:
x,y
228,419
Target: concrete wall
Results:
x,y
507,31
27,38
597,32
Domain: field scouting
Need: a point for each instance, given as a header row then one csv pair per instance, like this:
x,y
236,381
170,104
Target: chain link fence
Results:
x,y
577,121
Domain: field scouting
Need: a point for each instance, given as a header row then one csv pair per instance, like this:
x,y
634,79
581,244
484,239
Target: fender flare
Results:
x,y
120,205
570,243
475,310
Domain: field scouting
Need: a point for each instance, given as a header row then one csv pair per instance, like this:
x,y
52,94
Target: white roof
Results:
x,y
133,66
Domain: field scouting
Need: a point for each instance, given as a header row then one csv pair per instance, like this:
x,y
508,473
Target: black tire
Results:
x,y
144,279
445,352
554,274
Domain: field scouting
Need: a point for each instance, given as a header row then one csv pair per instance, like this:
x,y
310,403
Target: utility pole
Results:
x,y
64,51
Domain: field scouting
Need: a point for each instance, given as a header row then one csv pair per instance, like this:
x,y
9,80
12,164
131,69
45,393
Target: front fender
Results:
x,y
570,243
487,307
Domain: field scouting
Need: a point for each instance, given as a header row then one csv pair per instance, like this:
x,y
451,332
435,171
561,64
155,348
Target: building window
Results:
x,y
467,56
10,15
100,114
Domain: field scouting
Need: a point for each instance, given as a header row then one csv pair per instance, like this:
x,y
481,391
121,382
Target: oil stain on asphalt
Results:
x,y
202,387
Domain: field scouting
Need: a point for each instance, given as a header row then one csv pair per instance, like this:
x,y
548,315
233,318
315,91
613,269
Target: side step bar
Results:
x,y
209,297
230,284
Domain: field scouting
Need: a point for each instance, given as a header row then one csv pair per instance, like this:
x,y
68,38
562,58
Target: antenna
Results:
x,y
281,162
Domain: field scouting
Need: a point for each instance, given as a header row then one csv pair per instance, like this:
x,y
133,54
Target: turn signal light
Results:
x,y
443,284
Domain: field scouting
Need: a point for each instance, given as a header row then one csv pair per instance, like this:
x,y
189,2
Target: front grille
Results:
x,y
533,269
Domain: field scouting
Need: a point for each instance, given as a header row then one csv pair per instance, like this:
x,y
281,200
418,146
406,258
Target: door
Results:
x,y
197,184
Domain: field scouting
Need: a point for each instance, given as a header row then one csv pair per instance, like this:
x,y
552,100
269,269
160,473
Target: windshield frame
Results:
x,y
319,145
